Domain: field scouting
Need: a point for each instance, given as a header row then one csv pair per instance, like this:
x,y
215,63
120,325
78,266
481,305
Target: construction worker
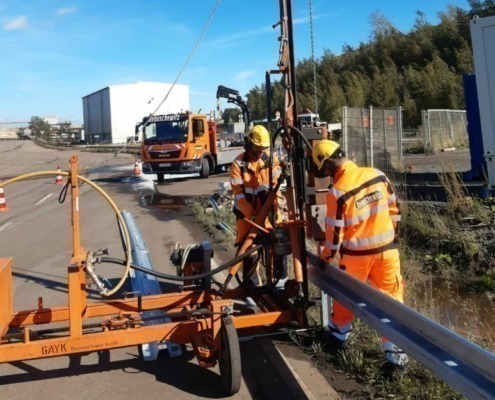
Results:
x,y
250,180
361,234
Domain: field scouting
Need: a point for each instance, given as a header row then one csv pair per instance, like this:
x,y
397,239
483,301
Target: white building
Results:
x,y
51,119
111,114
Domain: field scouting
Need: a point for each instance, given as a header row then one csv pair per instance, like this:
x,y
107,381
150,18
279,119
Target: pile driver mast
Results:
x,y
307,209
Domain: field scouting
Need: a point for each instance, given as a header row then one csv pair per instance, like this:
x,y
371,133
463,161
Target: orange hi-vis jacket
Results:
x,y
250,182
362,213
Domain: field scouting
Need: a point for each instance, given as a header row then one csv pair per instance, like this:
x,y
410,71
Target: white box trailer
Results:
x,y
483,39
110,114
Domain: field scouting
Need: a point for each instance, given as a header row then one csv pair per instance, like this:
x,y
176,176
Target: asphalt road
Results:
x,y
36,232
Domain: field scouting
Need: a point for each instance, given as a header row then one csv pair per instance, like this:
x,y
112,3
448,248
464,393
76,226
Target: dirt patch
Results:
x,y
459,160
346,387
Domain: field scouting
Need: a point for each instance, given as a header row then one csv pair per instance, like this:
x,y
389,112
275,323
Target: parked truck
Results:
x,y
183,143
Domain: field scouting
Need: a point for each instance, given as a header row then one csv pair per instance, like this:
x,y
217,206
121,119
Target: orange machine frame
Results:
x,y
196,316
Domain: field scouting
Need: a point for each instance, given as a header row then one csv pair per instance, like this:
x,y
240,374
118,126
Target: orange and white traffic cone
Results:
x,y
137,170
58,181
3,204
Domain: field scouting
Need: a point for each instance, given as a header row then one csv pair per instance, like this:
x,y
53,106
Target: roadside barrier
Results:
x,y
137,171
3,203
58,180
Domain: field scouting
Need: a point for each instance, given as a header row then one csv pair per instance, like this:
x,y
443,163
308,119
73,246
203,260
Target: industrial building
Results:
x,y
110,114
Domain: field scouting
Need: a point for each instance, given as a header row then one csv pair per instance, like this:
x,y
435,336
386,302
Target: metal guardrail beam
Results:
x,y
143,284
113,148
460,363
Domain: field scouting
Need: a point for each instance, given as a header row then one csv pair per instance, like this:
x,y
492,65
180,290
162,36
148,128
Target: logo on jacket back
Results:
x,y
369,198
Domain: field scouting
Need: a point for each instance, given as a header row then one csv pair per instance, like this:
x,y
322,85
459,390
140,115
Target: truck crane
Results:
x,y
234,97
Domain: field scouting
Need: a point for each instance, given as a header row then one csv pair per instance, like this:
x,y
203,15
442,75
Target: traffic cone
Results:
x,y
58,181
3,204
137,170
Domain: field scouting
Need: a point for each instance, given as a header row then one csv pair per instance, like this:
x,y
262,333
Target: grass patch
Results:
x,y
455,238
416,148
206,214
363,360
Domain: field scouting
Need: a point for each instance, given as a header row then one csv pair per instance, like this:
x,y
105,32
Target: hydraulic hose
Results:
x,y
108,199
204,275
306,142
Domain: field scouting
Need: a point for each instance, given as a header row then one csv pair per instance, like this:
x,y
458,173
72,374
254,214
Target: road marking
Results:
x,y
5,226
43,199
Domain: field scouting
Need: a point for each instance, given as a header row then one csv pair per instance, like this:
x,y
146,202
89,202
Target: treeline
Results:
x,y
418,70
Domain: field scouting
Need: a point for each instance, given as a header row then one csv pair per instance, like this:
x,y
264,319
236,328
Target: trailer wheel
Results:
x,y
160,177
205,169
230,357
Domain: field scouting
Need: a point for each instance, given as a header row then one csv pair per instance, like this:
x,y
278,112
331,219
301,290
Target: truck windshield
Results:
x,y
166,129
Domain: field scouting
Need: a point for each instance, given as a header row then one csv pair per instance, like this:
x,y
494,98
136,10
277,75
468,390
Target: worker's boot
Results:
x,y
280,271
336,336
395,355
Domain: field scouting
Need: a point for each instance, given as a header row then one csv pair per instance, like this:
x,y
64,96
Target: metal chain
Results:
x,y
313,54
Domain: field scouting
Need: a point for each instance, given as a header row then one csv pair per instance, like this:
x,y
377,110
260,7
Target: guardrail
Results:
x,y
97,148
460,363
144,284
114,148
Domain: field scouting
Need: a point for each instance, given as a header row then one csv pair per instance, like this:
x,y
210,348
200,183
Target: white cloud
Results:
x,y
242,81
297,21
23,87
66,10
15,24
235,39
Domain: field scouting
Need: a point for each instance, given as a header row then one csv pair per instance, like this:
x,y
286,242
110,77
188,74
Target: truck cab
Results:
x,y
183,143
176,144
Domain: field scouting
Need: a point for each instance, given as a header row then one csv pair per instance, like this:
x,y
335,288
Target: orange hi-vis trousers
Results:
x,y
381,270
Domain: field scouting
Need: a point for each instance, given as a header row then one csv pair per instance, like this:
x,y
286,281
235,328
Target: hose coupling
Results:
x,y
91,271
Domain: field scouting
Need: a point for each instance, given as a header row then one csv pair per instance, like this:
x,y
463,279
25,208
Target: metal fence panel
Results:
x,y
444,129
373,138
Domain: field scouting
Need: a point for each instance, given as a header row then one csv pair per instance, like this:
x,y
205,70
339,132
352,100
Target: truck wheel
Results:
x,y
160,177
205,169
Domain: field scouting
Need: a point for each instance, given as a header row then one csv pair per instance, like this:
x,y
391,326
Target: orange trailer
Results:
x,y
206,319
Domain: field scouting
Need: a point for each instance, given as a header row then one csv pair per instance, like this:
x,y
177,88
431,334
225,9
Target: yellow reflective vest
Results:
x,y
362,213
250,181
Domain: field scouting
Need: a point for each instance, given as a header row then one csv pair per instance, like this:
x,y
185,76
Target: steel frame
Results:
x,y
195,316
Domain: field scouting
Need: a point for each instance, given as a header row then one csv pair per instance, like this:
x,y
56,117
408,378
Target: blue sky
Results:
x,y
54,52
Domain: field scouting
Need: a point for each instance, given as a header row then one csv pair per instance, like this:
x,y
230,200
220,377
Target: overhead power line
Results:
x,y
190,55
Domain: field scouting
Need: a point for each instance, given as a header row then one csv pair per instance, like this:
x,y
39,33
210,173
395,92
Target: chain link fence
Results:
x,y
372,137
444,130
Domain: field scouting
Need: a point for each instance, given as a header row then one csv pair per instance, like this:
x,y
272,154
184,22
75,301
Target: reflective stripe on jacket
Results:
x,y
362,212
250,183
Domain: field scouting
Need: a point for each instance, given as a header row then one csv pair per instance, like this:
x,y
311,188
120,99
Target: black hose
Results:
x,y
63,193
306,142
228,264
303,138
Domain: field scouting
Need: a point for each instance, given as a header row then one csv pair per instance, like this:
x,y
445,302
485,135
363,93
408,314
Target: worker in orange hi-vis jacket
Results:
x,y
361,234
250,180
